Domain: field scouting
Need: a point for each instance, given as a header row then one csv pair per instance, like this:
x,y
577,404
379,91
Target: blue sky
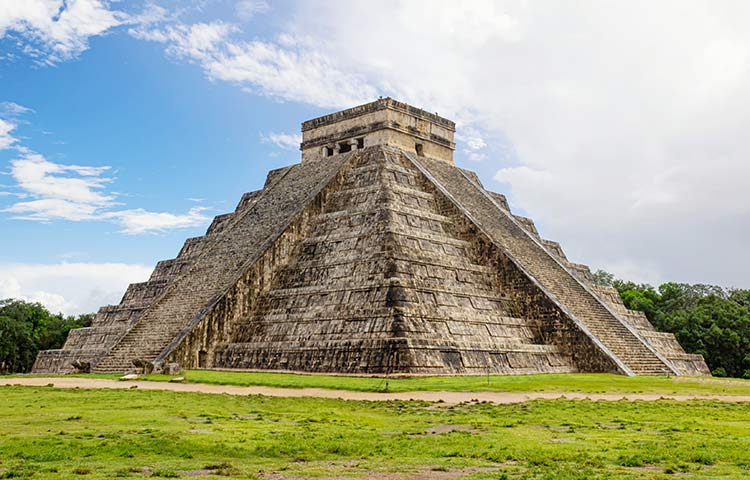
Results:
x,y
126,126
172,140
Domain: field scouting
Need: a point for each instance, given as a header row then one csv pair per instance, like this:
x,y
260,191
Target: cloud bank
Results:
x,y
289,68
6,134
51,31
620,127
70,288
622,124
285,141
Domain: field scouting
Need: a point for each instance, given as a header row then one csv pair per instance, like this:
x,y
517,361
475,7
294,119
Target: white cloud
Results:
x,y
55,30
247,9
290,69
12,109
7,140
57,191
48,209
9,122
48,191
70,183
473,143
140,221
197,42
71,288
152,13
78,193
286,141
625,123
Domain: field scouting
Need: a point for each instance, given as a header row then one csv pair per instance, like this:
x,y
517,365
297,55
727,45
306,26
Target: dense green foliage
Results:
x,y
62,434
706,319
26,328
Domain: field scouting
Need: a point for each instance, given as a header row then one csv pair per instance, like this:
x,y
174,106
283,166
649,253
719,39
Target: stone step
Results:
x,y
373,209
381,186
388,229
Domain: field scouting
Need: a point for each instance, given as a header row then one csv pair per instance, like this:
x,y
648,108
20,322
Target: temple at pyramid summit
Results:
x,y
373,255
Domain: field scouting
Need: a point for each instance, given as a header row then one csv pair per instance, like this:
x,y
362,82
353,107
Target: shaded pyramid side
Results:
x,y
663,342
390,278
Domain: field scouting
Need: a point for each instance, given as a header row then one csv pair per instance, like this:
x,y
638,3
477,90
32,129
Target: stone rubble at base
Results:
x,y
375,254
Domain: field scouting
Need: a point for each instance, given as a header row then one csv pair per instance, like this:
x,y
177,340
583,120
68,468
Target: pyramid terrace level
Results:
x,y
374,255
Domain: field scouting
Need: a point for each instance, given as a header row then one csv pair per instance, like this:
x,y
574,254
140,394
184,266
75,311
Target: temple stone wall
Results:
x,y
386,282
552,326
374,255
664,342
383,122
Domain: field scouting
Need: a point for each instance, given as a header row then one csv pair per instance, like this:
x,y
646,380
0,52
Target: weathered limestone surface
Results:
x,y
384,281
89,345
374,255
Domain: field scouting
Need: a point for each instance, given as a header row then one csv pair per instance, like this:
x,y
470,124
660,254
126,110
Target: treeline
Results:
x,y
709,320
26,328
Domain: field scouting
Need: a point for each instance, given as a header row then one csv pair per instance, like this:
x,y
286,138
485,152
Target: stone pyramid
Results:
x,y
374,255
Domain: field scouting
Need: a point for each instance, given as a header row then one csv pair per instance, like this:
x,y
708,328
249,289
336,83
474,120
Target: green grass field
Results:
x,y
584,383
77,433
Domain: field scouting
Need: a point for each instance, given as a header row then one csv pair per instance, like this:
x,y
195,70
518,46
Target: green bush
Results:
x,y
26,328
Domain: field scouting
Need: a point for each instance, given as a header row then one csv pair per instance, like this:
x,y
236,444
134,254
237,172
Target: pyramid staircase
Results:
x,y
186,300
633,354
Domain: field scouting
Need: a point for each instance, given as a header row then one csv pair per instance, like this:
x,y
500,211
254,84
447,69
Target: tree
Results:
x,y
639,296
718,329
58,327
741,297
682,296
605,279
17,347
644,299
26,328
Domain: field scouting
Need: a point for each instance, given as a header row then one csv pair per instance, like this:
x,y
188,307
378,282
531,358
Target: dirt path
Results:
x,y
447,397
